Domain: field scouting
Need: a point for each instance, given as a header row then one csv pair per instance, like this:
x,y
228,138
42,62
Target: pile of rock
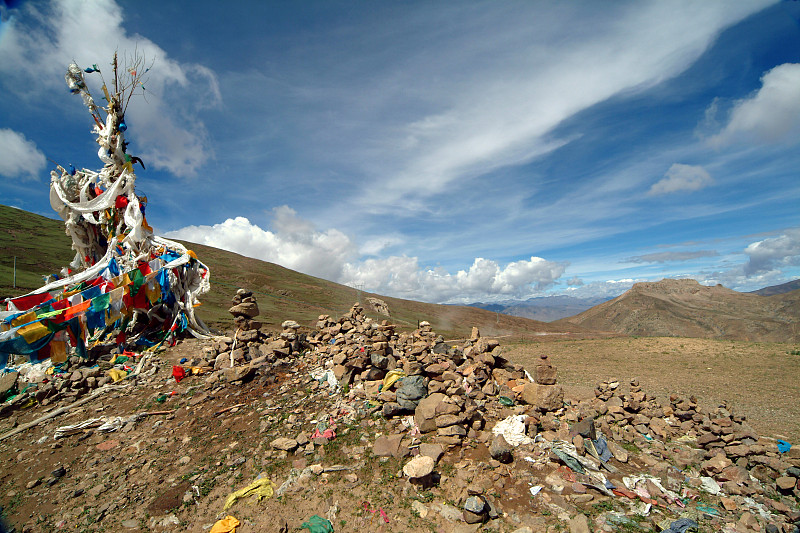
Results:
x,y
728,450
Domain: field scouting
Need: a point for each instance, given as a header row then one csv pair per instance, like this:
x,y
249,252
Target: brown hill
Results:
x,y
684,308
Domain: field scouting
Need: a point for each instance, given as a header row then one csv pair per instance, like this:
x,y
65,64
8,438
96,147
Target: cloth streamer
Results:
x,y
261,488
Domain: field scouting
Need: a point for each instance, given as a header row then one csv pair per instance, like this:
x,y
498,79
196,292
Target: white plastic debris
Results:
x,y
513,430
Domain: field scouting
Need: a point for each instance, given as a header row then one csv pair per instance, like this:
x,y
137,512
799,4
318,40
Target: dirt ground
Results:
x,y
174,468
757,379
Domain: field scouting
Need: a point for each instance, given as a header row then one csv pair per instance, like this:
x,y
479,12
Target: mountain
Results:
x,y
778,289
41,247
544,308
684,308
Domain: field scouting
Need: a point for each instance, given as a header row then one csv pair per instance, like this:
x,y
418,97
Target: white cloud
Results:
x,y
681,177
771,115
773,253
295,243
485,279
769,262
19,157
603,289
40,44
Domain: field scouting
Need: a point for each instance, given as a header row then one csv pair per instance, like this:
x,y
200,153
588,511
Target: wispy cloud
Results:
x,y
663,257
19,157
682,177
42,43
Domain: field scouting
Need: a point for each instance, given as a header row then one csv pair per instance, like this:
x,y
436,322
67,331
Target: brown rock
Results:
x,y
387,445
786,483
543,397
716,464
425,413
544,373
248,309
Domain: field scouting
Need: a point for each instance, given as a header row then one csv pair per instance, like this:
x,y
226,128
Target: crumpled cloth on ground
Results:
x,y
601,446
681,526
262,488
66,431
317,524
226,525
512,429
391,377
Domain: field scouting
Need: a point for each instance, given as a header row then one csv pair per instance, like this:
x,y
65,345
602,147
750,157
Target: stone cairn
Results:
x,y
445,387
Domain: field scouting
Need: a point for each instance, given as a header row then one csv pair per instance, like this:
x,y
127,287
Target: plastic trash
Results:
x,y
512,429
226,525
317,524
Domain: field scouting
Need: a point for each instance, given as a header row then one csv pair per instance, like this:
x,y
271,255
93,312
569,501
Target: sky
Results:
x,y
448,152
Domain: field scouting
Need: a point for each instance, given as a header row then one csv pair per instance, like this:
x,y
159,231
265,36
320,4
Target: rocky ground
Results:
x,y
373,429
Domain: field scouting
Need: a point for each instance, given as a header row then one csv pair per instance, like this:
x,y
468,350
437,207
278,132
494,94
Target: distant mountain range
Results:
x,y
544,308
778,289
684,308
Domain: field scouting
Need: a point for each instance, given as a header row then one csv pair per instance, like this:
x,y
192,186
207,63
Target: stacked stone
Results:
x,y
544,393
728,449
250,350
244,311
446,387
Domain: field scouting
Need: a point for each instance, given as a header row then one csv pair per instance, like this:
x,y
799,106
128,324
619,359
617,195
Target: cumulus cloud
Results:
x,y
773,253
42,39
295,243
485,279
682,177
769,262
664,257
19,157
575,281
770,115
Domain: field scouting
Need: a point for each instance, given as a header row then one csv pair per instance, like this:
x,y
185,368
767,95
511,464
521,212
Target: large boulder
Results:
x,y
543,397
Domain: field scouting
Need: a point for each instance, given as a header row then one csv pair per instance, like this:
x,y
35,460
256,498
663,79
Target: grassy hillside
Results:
x,y
42,247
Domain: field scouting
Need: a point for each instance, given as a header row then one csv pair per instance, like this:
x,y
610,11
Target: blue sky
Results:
x,y
439,151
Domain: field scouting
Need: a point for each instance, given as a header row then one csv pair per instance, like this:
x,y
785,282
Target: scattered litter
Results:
x,y
681,526
261,488
317,524
512,429
535,490
709,485
226,525
65,431
783,446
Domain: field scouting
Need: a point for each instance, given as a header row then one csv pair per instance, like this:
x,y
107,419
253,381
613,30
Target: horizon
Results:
x,y
456,154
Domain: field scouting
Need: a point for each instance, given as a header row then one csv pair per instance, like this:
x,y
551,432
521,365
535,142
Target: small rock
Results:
x,y
284,443
501,450
419,466
419,507
786,482
579,524
475,504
